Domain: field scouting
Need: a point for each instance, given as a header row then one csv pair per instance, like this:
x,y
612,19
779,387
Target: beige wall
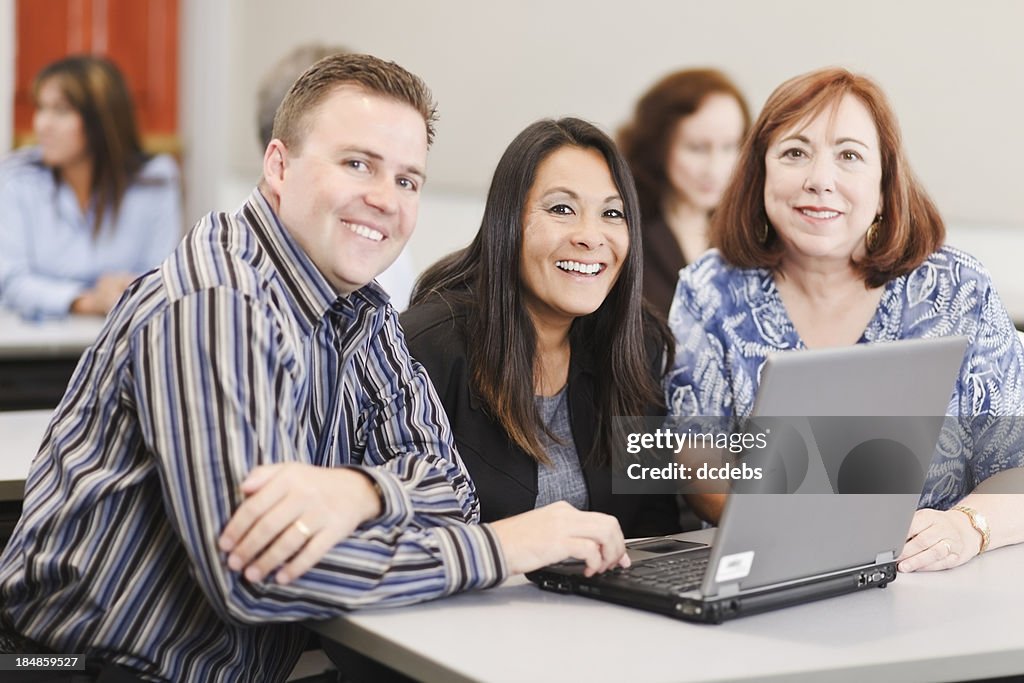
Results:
x,y
951,68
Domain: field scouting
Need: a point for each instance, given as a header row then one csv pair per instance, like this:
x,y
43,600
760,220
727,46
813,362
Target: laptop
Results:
x,y
772,551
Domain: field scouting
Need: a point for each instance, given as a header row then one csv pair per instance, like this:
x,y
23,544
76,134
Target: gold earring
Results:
x,y
763,237
871,236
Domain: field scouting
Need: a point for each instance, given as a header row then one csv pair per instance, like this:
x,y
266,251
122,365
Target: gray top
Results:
x,y
563,478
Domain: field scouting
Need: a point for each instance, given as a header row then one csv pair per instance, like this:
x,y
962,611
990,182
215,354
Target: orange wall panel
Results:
x,y
140,36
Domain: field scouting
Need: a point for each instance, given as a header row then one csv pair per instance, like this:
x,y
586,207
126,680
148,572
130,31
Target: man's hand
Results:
x,y
295,513
559,532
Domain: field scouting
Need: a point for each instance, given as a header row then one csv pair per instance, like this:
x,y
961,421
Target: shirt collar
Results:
x,y
313,295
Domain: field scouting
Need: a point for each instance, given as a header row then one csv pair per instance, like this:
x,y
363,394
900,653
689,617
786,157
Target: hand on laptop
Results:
x,y
559,532
938,540
293,515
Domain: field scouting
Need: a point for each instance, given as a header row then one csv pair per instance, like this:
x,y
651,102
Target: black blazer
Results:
x,y
505,476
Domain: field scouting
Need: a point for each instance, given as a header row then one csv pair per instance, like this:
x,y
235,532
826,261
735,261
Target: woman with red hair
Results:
x,y
825,238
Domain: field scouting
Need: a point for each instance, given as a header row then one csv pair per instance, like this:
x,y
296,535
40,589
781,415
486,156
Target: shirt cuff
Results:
x,y
472,557
395,505
52,300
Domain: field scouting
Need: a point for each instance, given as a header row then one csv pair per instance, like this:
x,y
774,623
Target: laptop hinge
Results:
x,y
726,590
885,557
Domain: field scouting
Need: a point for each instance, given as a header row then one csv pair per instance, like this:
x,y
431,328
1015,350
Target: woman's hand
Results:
x,y
560,532
294,514
939,540
103,295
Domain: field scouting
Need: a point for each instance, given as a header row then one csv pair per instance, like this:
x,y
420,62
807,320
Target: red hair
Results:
x,y
911,226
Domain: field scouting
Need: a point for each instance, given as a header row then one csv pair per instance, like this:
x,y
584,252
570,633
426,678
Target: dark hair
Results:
x,y
291,122
486,275
96,90
646,140
911,226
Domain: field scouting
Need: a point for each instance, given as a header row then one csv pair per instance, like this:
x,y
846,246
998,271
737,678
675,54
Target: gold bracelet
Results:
x,y
979,523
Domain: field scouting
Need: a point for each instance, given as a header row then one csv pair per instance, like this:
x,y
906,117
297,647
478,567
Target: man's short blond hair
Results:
x,y
375,76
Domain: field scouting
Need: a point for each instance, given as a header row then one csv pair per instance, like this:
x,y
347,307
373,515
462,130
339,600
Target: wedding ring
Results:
x,y
305,530
949,548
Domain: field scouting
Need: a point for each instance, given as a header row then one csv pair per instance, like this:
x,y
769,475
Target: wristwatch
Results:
x,y
979,523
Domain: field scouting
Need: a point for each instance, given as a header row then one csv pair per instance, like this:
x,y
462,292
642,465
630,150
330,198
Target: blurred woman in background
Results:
x,y
86,210
681,146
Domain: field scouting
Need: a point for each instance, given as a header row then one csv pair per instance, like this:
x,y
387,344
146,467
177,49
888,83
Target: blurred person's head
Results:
x,y
823,173
84,115
347,162
556,244
683,140
276,82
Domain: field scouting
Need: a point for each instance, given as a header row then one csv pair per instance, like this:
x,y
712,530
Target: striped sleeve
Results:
x,y
409,435
215,393
411,455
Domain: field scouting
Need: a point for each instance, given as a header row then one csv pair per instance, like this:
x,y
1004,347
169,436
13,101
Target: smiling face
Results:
x,y
703,151
575,236
350,193
58,127
823,183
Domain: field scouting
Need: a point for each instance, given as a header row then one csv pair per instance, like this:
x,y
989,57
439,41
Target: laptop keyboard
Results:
x,y
676,573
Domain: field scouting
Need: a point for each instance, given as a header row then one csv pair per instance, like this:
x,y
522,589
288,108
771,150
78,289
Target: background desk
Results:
x,y
21,432
37,358
940,626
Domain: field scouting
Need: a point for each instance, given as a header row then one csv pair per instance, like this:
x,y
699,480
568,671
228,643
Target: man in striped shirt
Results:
x,y
248,444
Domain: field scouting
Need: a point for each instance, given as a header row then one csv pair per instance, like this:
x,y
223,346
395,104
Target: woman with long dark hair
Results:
x,y
85,210
535,335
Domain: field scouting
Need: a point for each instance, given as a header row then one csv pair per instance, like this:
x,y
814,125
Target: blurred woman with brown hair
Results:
x,y
681,147
86,210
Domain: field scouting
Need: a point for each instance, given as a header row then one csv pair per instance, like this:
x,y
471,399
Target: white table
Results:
x,y
38,358
60,337
21,432
954,625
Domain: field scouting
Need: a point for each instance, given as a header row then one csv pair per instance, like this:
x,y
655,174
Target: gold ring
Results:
x,y
302,528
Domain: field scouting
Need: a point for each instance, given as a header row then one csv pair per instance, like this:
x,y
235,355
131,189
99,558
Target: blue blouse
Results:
x,y
727,320
48,254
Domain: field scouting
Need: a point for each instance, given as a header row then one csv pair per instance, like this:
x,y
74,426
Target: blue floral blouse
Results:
x,y
727,320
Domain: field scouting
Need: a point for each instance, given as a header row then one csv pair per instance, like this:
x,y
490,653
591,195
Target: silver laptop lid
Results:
x,y
769,539
909,377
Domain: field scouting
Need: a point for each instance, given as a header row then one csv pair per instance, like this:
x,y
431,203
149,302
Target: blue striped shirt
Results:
x,y
234,353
